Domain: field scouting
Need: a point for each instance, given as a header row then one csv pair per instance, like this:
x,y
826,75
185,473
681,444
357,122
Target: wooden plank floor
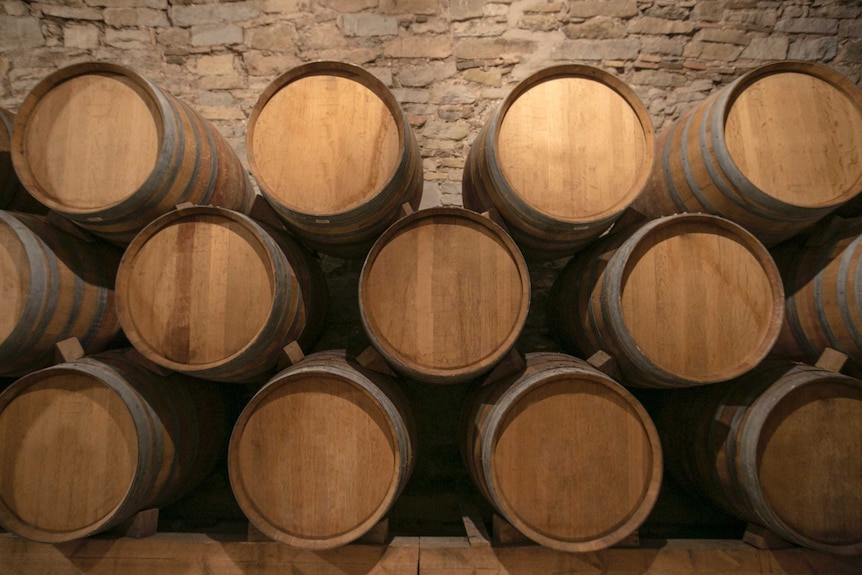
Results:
x,y
186,554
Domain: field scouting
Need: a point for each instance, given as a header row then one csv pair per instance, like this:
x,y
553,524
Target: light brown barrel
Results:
x,y
53,286
775,151
780,447
105,147
563,156
683,300
564,453
13,196
334,155
321,452
444,294
212,293
85,445
822,275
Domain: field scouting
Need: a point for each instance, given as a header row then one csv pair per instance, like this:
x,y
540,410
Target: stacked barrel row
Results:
x,y
561,450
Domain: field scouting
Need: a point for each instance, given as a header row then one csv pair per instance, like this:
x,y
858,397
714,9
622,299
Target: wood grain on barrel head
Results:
x,y
200,289
325,144
810,462
317,457
798,138
444,293
91,141
573,148
14,280
574,459
68,453
697,300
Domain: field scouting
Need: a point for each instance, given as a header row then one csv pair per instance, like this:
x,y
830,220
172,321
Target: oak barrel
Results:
x,y
212,293
780,447
563,156
822,276
85,445
53,285
321,452
334,155
13,196
775,151
564,453
683,300
105,147
444,294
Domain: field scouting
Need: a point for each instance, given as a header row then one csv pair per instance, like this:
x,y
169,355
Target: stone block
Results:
x,y
539,22
708,11
659,78
724,36
544,7
850,28
434,47
411,95
382,74
366,24
277,37
466,9
84,36
176,38
613,8
145,17
659,26
127,39
479,29
807,25
292,6
662,45
616,49
445,130
157,4
408,6
488,77
228,12
15,8
268,65
430,195
766,48
213,65
426,75
216,35
452,95
813,49
483,49
712,51
762,20
71,12
600,27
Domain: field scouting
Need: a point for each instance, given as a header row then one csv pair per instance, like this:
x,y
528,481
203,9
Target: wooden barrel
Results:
x,y
774,151
13,196
334,155
822,277
85,445
53,286
444,294
564,453
561,158
105,147
212,293
780,447
683,300
321,452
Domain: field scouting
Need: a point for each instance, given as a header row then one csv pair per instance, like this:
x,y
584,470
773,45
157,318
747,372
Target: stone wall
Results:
x,y
449,62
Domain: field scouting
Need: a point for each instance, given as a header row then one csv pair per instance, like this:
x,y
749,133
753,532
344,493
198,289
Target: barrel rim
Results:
x,y
276,264
755,418
342,368
138,413
562,367
350,72
439,374
157,105
593,73
725,104
611,302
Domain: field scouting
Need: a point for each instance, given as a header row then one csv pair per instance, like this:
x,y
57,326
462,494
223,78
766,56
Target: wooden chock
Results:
x,y
512,364
184,206
762,538
371,359
505,533
141,524
474,527
262,211
493,215
406,209
605,363
377,535
832,360
68,350
291,355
